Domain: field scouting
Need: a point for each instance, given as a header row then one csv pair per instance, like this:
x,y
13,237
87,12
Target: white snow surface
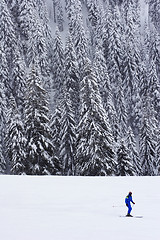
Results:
x,y
78,208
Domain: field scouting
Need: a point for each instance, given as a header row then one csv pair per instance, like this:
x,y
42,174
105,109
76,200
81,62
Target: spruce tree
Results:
x,y
148,138
26,17
3,163
131,70
124,165
95,147
67,135
158,154
18,80
154,12
72,76
121,109
77,30
8,44
154,88
15,140
40,155
132,151
55,125
57,69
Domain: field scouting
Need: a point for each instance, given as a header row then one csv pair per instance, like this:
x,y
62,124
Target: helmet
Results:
x,y
130,193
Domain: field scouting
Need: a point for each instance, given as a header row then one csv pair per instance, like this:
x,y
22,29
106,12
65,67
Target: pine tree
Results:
x,y
106,90
36,47
124,165
114,48
60,19
102,75
95,151
26,17
154,53
57,69
76,28
3,164
154,12
131,70
158,154
18,80
121,109
99,32
40,155
56,128
67,135
132,151
148,139
47,36
8,36
93,11
72,76
154,88
8,44
15,140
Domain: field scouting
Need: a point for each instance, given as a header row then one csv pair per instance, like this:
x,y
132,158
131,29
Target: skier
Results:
x,y
128,201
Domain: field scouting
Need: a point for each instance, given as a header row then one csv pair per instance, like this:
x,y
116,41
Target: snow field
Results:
x,y
78,208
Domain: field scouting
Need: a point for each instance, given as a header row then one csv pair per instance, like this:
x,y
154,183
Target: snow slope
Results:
x,y
78,208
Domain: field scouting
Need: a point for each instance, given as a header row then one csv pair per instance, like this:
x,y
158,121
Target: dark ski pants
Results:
x,y
129,208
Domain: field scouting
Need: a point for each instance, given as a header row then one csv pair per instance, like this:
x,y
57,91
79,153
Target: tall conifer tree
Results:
x,y
95,147
40,155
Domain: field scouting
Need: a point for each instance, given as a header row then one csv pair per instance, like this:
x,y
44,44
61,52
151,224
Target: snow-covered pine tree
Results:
x,y
132,70
104,85
2,121
60,18
15,140
77,30
40,155
158,154
2,161
147,144
4,74
98,32
154,88
154,52
8,43
46,31
124,165
67,135
92,6
95,146
56,128
132,151
36,47
8,36
154,13
102,76
31,28
57,70
26,17
120,106
18,80
113,44
72,76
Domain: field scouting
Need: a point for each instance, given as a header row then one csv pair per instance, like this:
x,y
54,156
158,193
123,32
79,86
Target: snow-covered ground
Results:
x,y
78,208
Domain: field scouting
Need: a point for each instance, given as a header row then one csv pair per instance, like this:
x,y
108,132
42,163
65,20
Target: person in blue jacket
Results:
x,y
128,201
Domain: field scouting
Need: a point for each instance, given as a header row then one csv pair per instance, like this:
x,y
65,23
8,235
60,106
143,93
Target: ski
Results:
x,y
132,216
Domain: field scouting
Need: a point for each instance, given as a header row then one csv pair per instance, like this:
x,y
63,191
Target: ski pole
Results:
x,y
117,206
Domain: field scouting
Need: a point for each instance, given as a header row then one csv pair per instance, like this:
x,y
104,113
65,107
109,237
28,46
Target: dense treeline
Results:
x,y
85,105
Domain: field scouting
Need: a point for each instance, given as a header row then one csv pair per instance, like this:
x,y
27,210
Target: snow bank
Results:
x,y
78,208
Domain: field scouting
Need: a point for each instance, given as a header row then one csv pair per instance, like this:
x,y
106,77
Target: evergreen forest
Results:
x,y
80,87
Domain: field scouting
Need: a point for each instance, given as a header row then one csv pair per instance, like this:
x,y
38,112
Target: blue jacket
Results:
x,y
128,199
